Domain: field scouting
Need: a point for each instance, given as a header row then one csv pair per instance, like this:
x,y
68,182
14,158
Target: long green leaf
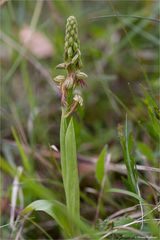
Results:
x,y
129,161
72,180
58,212
127,144
53,208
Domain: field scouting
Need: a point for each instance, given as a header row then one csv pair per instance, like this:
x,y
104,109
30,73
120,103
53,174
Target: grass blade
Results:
x,y
127,143
24,157
131,194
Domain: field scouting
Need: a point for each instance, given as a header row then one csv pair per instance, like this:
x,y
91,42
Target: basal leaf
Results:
x,y
53,208
72,180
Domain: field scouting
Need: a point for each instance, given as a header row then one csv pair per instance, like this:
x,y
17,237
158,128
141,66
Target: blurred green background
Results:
x,y
119,46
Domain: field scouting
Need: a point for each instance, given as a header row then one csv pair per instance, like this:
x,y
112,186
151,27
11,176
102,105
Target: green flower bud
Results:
x,y
72,32
72,46
70,41
75,46
59,78
70,52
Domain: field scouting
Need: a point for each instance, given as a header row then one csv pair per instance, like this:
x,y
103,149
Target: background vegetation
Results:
x,y
119,45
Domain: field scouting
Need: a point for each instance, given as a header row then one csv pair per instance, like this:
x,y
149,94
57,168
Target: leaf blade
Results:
x,y
72,180
63,129
54,208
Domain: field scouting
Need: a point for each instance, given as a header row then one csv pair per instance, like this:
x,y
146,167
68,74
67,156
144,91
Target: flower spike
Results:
x,y
72,63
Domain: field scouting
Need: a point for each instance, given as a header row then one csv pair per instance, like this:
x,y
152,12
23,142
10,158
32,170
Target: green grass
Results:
x,y
114,195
